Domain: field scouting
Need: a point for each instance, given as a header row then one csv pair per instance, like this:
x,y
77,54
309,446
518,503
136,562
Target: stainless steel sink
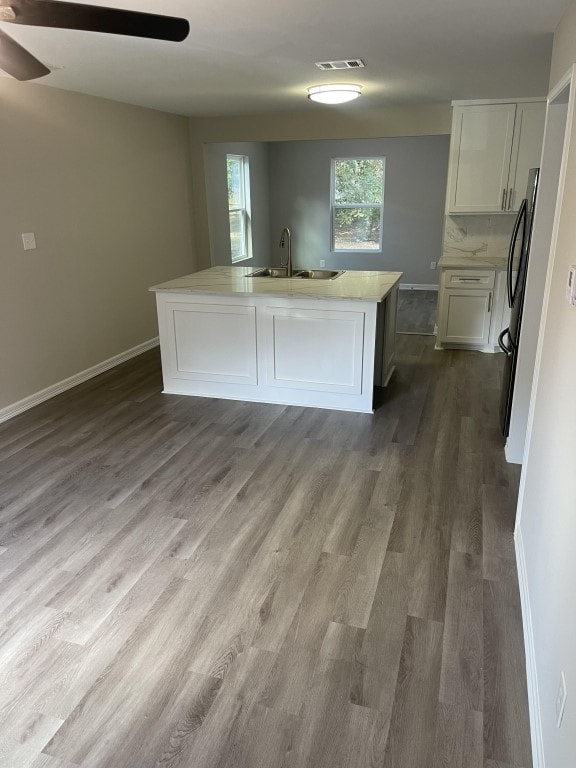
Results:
x,y
270,272
320,274
304,274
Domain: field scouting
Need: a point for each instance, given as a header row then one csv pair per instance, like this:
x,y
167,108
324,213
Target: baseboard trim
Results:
x,y
531,673
415,333
72,381
418,287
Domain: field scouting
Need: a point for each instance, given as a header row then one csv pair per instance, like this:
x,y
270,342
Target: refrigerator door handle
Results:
x,y
501,337
517,223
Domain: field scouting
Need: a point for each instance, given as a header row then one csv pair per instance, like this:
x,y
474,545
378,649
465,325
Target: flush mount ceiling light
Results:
x,y
334,93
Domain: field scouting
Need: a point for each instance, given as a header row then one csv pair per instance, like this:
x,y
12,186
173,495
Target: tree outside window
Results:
x,y
357,203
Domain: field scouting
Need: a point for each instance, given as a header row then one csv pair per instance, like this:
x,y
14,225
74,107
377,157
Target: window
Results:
x,y
238,175
357,203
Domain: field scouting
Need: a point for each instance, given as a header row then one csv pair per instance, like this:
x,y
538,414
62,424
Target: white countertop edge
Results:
x,y
219,281
279,295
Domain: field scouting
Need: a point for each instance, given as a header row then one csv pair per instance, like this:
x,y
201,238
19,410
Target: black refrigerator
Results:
x,y
517,270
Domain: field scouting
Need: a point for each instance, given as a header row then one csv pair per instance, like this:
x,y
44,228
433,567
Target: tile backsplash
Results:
x,y
477,235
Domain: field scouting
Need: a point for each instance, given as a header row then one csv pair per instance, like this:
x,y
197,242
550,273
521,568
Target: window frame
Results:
x,y
244,208
335,206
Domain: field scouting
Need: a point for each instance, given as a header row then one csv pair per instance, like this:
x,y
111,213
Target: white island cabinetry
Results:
x,y
223,334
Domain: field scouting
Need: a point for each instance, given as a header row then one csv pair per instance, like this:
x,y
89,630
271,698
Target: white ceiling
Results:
x,y
258,55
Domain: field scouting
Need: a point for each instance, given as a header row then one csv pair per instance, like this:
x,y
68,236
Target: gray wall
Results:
x,y
415,188
217,200
414,120
106,189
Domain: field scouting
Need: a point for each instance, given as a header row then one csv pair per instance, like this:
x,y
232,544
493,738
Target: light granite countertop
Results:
x,y
355,285
449,261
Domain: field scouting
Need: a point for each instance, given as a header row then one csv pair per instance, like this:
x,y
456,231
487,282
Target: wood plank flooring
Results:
x,y
194,583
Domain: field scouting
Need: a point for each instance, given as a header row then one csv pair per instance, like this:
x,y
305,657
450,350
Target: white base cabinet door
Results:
x,y
465,317
211,342
313,349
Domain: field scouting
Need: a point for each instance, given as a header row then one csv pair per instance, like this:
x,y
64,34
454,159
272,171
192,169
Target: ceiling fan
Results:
x,y
18,62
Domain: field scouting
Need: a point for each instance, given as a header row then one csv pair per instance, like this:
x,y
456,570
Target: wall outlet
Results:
x,y
322,262
28,241
561,700
432,265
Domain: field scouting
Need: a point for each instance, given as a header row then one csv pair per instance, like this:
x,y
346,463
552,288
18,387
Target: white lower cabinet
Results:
x,y
472,309
465,316
322,353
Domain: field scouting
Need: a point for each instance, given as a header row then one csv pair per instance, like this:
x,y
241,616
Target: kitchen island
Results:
x,y
321,343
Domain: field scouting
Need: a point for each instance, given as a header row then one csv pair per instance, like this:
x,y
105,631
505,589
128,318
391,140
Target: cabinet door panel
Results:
x,y
319,350
527,149
480,157
211,342
465,316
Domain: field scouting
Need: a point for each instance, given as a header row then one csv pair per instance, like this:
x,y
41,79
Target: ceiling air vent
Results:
x,y
343,64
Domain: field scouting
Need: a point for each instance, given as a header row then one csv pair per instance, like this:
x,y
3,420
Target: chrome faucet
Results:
x,y
286,241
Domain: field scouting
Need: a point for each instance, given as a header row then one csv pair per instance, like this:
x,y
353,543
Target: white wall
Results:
x,y
217,200
106,189
564,48
536,278
546,533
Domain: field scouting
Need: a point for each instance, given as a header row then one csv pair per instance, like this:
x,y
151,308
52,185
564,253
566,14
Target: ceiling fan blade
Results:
x,y
16,61
94,18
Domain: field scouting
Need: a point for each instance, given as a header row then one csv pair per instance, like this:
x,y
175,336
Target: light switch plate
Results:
x,y
28,241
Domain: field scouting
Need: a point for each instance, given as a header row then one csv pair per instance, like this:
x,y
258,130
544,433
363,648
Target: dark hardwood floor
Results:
x,y
193,583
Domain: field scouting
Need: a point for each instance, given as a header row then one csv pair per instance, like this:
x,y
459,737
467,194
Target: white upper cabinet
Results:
x,y
526,149
492,148
480,150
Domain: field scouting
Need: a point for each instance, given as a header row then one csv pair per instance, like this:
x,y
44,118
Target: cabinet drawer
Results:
x,y
468,278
